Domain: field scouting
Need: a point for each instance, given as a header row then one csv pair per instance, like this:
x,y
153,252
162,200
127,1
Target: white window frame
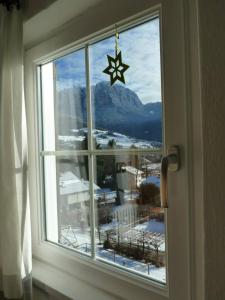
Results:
x,y
51,218
100,276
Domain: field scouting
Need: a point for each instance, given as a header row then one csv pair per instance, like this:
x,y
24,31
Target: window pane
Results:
x,y
130,229
128,116
67,200
64,103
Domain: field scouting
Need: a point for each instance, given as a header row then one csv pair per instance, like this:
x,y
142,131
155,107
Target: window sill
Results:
x,y
63,286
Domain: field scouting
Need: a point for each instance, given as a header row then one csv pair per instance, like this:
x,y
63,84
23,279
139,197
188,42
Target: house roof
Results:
x,y
133,170
71,184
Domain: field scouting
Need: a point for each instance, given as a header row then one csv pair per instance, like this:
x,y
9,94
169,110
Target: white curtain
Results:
x,y
15,241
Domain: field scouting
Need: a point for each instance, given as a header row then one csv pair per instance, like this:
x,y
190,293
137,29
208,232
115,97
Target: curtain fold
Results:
x,y
15,236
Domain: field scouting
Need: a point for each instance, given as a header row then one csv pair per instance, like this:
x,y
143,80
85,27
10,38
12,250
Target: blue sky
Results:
x,y
140,50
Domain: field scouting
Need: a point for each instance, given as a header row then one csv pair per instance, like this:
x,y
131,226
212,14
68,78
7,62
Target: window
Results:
x,y
101,152
96,166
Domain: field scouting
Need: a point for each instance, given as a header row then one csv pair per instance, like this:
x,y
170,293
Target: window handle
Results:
x,y
170,162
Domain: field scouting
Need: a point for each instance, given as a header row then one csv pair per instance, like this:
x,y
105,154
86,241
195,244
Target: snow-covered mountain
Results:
x,y
116,108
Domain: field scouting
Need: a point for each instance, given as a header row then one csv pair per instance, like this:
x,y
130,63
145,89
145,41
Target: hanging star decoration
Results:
x,y
116,67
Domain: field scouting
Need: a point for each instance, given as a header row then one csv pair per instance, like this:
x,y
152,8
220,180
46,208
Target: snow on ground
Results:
x,y
75,237
113,225
130,264
152,226
149,226
80,240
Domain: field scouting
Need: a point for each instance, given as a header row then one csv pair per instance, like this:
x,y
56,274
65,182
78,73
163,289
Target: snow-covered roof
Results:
x,y
71,184
67,177
133,170
152,166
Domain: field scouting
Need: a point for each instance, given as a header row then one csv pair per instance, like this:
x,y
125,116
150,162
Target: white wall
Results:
x,y
212,49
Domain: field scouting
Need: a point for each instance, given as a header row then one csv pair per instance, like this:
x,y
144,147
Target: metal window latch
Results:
x,y
170,162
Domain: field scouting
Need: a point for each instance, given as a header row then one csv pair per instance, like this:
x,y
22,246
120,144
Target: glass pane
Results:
x,y
128,116
67,201
64,103
130,228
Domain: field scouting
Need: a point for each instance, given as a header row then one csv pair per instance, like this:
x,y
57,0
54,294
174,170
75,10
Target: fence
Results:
x,y
136,244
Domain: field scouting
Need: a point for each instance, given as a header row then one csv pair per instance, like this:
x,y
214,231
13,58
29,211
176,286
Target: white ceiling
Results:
x,y
47,20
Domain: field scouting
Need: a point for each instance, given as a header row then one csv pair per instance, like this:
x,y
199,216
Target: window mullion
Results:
x,y
90,149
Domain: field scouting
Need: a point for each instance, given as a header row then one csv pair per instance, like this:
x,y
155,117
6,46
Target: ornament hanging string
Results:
x,y
116,41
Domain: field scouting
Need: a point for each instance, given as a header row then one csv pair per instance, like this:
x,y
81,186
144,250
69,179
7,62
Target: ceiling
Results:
x,y
42,17
32,7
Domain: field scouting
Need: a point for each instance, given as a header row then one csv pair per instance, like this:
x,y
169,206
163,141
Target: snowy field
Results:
x,y
81,241
152,226
152,271
104,136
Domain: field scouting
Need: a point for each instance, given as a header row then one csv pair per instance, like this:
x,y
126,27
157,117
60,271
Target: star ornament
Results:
x,y
116,68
